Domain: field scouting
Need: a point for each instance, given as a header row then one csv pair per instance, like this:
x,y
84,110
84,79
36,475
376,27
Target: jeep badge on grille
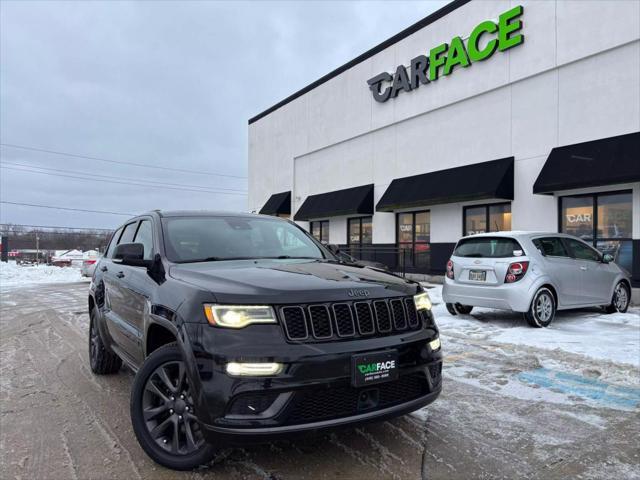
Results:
x,y
358,292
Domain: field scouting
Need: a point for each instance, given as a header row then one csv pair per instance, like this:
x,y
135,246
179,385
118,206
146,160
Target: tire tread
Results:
x,y
108,362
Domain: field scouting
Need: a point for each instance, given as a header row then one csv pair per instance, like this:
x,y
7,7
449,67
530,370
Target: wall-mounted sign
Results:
x,y
445,57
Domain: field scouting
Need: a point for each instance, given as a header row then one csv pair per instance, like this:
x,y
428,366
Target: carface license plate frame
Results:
x,y
374,368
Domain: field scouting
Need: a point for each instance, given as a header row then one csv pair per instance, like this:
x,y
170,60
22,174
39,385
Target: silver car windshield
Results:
x,y
200,239
488,247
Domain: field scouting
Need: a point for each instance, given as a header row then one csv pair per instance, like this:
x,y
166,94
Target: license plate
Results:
x,y
372,368
478,275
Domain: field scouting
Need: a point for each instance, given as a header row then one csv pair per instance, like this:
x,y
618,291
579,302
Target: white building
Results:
x,y
508,118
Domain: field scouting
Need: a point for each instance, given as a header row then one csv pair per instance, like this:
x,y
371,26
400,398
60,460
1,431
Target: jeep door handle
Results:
x,y
120,274
103,268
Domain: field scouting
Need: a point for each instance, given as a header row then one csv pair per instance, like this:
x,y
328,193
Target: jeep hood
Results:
x,y
290,281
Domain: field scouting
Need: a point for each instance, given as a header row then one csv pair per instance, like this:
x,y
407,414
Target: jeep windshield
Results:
x,y
203,239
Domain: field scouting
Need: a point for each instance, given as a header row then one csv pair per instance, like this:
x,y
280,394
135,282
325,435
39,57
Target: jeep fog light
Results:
x,y
422,301
238,316
435,344
254,369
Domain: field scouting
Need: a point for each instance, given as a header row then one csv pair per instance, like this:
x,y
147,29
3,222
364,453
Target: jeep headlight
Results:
x,y
422,301
238,316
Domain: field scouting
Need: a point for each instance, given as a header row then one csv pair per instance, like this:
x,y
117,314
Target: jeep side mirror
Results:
x,y
131,254
607,258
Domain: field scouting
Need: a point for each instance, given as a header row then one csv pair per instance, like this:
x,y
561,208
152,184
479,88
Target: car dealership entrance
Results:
x,y
541,136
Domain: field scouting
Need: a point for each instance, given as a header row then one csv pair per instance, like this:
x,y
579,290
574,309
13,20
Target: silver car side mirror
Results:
x,y
607,258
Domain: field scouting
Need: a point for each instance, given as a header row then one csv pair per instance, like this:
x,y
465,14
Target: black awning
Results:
x,y
350,201
278,204
607,161
477,181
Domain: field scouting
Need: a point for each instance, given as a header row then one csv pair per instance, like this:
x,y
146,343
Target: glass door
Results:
x,y
414,239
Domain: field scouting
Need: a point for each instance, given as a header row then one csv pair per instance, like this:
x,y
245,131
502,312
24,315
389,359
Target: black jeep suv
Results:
x,y
243,328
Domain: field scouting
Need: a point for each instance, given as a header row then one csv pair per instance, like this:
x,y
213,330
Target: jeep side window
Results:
x,y
145,237
128,234
113,243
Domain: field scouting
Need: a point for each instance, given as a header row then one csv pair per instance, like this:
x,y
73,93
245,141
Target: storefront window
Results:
x,y
614,216
475,220
603,219
320,230
500,217
577,216
414,237
497,217
360,231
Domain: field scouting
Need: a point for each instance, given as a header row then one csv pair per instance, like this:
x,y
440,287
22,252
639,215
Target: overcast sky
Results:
x,y
159,83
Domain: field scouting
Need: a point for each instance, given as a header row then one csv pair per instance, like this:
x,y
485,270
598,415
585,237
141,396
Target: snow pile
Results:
x,y
588,332
12,275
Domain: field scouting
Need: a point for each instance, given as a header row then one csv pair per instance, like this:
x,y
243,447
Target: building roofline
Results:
x,y
438,14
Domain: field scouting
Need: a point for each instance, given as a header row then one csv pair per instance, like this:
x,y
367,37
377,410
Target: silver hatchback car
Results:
x,y
534,273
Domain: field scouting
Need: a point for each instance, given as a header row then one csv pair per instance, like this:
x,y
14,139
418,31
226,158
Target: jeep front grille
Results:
x,y
349,319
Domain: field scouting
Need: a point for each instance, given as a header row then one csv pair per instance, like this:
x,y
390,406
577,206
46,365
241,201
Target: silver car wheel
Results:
x,y
544,307
621,297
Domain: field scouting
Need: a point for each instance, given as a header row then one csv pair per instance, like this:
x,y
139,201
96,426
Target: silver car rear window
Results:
x,y
488,247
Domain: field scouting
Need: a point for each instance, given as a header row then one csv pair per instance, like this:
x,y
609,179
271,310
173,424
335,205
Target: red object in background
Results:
x,y
88,262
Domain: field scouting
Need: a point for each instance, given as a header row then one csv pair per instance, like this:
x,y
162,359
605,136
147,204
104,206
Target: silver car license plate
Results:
x,y
478,275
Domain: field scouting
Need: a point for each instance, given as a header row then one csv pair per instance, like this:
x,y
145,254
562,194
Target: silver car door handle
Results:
x,y
583,268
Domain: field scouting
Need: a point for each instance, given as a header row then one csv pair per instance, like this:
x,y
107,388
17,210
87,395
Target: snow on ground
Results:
x,y
588,332
13,275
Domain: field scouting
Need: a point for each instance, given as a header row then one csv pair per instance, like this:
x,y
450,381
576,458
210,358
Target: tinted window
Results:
x,y
405,228
113,243
582,251
360,231
189,239
367,230
577,216
128,234
354,231
488,247
423,227
320,230
500,217
145,237
475,220
551,246
614,215
487,218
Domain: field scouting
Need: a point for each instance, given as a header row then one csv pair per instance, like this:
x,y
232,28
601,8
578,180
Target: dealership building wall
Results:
x,y
574,83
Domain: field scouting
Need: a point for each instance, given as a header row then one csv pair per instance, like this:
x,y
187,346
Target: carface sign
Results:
x,y
445,57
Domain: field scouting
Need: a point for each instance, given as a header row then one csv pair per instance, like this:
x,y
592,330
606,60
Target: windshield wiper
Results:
x,y
215,259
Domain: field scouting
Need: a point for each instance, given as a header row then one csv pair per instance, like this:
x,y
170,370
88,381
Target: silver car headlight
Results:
x,y
422,301
238,316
